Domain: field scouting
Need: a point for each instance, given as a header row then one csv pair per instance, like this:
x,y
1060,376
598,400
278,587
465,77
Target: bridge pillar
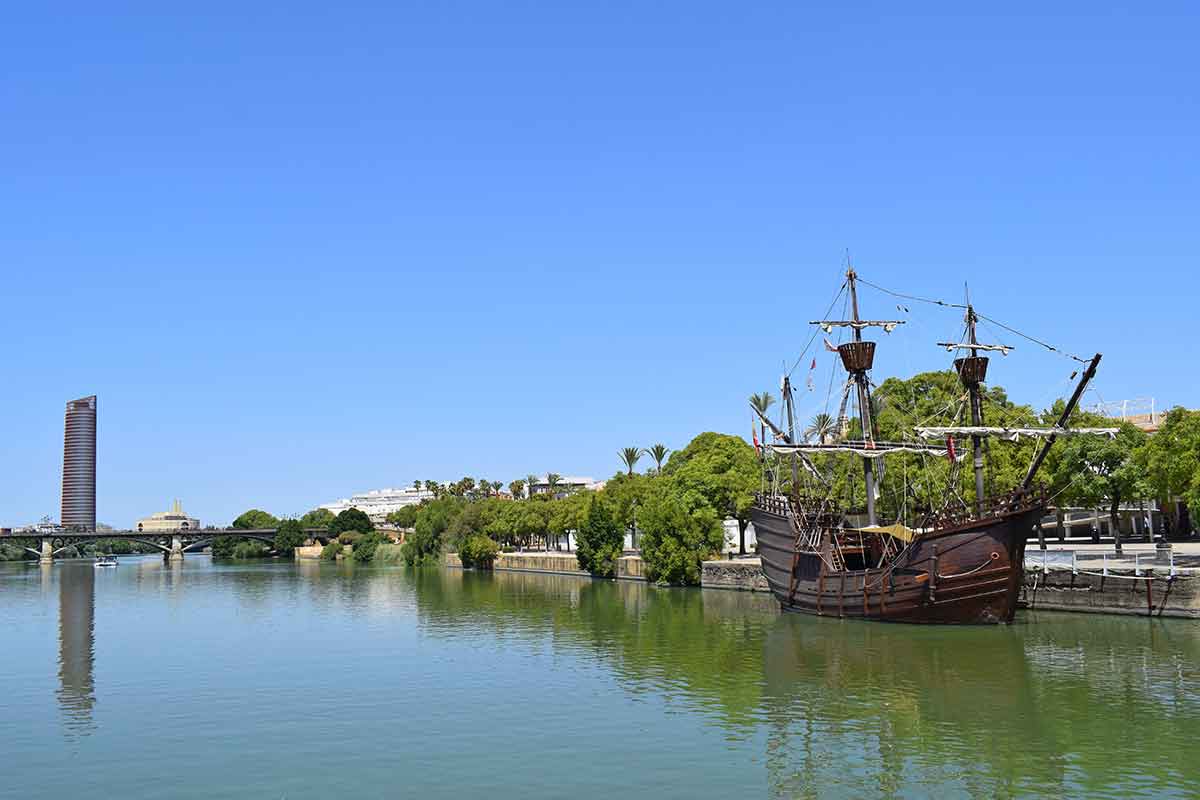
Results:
x,y
176,553
47,554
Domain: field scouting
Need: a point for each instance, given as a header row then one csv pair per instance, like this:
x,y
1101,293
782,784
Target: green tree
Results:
x,y
424,546
675,541
255,519
517,489
1170,460
530,482
351,520
659,453
720,471
227,546
760,403
317,518
404,517
553,479
478,552
599,540
566,516
288,536
1097,471
365,547
629,456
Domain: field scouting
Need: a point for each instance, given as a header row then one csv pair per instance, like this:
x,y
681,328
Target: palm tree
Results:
x,y
553,479
659,453
761,403
496,487
517,488
530,482
822,428
416,486
630,456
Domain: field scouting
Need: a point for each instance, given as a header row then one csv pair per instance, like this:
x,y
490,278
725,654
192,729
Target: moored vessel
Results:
x,y
952,561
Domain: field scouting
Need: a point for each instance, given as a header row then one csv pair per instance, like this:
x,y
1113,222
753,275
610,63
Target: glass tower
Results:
x,y
79,465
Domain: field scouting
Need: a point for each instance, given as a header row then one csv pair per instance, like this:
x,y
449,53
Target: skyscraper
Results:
x,y
79,465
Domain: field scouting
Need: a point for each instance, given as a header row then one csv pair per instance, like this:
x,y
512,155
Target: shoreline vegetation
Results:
x,y
673,511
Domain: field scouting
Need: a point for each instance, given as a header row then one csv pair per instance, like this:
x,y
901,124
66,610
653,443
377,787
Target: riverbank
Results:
x,y
1143,583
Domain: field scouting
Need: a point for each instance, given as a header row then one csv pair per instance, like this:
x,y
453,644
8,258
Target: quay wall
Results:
x,y
308,551
628,567
743,574
1123,591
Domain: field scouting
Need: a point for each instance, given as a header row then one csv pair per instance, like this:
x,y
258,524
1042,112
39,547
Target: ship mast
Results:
x,y
864,394
972,370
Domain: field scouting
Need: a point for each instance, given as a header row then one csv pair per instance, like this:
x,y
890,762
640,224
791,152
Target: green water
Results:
x,y
278,680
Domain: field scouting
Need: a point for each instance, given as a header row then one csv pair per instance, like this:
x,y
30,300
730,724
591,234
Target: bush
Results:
x,y
288,537
365,547
330,551
250,549
424,545
600,540
231,547
388,553
349,537
674,540
478,552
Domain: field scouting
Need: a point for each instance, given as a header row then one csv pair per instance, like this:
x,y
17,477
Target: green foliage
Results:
x,y
719,471
351,520
566,516
1170,460
349,537
255,519
404,517
471,519
367,544
517,489
624,492
330,551
388,553
675,540
478,552
424,545
317,518
289,536
599,540
248,548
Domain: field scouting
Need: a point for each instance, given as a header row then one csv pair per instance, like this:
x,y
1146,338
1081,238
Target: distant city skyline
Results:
x,y
362,245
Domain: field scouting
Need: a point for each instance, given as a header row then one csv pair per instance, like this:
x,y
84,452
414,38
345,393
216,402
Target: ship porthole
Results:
x,y
995,556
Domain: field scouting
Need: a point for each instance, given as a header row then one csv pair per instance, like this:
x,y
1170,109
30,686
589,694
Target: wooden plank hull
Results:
x,y
968,573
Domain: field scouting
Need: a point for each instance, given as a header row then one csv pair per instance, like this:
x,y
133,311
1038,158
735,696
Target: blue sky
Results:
x,y
300,250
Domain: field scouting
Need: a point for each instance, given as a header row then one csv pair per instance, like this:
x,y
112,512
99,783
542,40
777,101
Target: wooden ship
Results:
x,y
959,564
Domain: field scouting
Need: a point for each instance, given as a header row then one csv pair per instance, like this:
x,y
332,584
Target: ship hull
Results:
x,y
965,573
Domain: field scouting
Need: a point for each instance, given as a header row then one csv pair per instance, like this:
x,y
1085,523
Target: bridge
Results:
x,y
172,544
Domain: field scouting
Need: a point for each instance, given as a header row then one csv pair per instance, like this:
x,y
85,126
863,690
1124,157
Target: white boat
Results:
x,y
105,561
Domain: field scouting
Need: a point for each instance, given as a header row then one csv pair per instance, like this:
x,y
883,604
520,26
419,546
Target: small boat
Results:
x,y
958,560
105,561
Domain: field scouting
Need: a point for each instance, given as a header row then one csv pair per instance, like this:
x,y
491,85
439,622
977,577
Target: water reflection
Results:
x,y
866,709
76,645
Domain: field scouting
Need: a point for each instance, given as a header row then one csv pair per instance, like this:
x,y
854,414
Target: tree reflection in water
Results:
x,y
855,708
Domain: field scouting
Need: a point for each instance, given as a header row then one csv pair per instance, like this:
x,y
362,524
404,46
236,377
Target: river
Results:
x,y
314,680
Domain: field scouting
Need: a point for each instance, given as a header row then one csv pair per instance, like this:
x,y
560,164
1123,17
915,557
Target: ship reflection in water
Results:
x,y
76,644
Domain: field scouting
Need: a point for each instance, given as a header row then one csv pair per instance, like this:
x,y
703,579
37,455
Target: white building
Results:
x,y
566,485
378,503
173,520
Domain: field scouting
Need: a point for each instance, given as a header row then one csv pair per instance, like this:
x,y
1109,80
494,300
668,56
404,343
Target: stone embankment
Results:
x,y
554,563
1153,593
742,574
